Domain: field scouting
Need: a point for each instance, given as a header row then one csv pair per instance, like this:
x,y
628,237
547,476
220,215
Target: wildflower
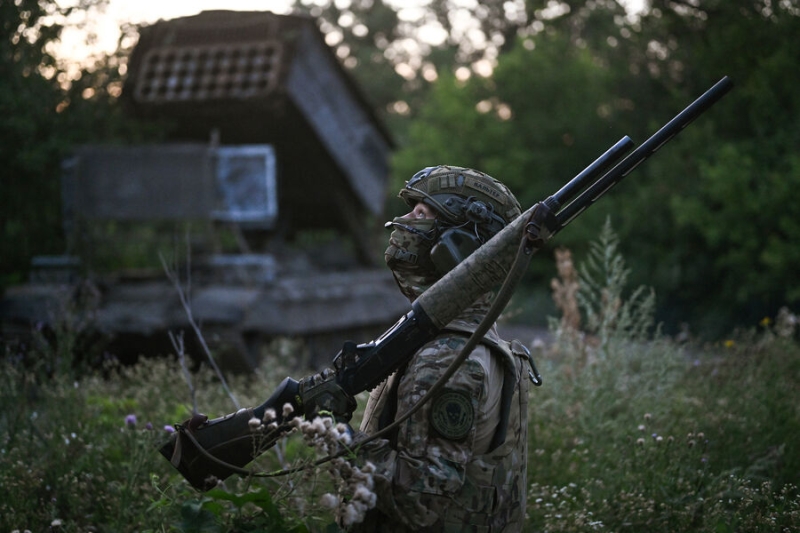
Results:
x,y
169,429
361,501
701,435
659,439
368,468
640,441
344,434
648,416
130,420
785,323
641,427
269,416
329,501
365,495
287,409
691,443
148,426
351,516
729,343
212,481
255,425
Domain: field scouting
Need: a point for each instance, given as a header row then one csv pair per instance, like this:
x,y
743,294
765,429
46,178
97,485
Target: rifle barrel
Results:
x,y
648,148
569,191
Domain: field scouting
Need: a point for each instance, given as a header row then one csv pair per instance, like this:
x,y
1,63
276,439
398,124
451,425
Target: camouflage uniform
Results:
x,y
445,470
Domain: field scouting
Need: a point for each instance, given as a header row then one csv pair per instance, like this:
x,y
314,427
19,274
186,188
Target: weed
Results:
x,y
635,432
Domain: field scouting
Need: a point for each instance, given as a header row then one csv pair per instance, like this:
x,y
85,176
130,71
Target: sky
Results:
x,y
106,25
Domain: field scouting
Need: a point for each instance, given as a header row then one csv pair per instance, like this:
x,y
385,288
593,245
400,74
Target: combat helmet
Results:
x,y
471,207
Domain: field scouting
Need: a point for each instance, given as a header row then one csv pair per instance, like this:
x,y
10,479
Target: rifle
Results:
x,y
203,449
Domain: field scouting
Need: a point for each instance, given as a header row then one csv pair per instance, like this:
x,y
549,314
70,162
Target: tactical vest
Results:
x,y
493,496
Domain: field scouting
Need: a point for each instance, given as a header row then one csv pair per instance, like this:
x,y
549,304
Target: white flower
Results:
x,y
365,495
255,424
329,501
351,515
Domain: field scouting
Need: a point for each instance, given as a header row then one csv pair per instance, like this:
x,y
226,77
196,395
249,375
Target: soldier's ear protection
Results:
x,y
457,242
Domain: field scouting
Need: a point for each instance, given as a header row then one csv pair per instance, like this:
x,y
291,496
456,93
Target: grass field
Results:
x,y
631,431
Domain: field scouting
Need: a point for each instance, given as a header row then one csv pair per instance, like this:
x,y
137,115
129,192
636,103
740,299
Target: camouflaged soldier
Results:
x,y
458,464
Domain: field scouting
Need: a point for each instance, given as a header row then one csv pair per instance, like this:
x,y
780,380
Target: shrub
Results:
x,y
636,432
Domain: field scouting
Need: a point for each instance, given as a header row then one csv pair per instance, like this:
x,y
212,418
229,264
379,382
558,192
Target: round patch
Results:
x,y
452,414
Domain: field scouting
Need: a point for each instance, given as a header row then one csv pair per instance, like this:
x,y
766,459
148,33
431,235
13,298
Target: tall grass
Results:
x,y
636,432
631,431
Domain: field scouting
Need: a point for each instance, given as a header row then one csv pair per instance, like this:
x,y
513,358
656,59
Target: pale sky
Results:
x,y
106,25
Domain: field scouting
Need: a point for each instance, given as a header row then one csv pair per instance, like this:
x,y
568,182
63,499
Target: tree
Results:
x,y
43,113
30,98
396,52
709,221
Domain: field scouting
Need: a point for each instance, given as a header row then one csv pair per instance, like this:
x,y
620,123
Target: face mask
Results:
x,y
408,254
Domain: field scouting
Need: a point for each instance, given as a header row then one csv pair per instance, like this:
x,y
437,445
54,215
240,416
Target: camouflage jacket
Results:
x,y
459,464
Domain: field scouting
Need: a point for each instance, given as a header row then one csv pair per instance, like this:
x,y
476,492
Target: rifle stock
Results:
x,y
221,447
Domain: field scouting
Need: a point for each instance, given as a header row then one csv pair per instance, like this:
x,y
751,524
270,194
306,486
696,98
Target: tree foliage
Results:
x,y
710,222
43,113
29,97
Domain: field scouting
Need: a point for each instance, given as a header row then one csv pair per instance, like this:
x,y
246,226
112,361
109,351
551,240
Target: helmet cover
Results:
x,y
471,207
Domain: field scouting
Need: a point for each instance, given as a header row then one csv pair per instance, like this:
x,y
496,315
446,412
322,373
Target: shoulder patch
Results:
x,y
452,414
